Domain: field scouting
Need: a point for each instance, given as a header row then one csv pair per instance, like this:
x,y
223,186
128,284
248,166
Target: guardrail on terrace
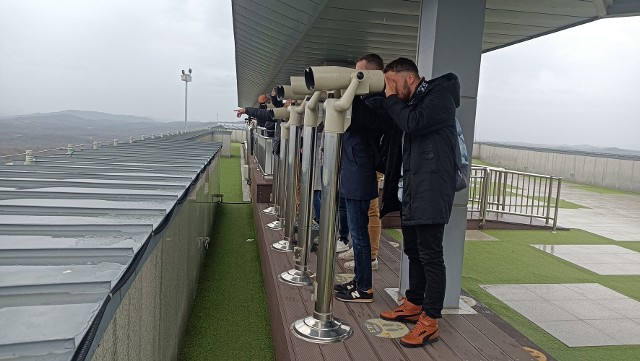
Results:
x,y
263,150
500,191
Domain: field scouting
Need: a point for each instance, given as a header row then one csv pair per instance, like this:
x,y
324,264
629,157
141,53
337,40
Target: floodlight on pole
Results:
x,y
186,78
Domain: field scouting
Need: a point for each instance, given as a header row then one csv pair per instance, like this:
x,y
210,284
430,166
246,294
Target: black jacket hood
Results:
x,y
449,81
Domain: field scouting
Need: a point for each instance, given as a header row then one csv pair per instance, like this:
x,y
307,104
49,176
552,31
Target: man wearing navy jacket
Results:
x,y
359,185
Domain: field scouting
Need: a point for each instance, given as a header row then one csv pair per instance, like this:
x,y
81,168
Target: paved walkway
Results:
x,y
615,216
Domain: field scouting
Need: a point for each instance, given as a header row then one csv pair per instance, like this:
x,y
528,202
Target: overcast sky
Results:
x,y
578,86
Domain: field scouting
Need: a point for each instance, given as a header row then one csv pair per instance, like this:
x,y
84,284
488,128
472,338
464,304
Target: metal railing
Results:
x,y
499,191
263,150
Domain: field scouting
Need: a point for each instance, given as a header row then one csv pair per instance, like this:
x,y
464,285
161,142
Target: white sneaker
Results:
x,y
352,264
341,247
347,256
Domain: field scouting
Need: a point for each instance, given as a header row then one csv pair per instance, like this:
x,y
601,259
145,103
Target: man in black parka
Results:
x,y
424,112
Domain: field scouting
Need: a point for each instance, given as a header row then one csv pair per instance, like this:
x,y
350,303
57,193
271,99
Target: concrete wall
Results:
x,y
238,136
219,136
152,312
621,173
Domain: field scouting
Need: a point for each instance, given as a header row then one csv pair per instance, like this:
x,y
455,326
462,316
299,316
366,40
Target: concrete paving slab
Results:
x,y
538,311
625,331
615,216
627,307
598,316
587,309
601,259
577,333
595,291
475,235
511,293
553,292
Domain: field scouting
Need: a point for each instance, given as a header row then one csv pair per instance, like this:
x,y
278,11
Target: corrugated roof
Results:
x,y
70,226
276,39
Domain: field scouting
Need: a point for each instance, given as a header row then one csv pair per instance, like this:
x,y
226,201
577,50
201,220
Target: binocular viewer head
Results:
x,y
296,91
336,77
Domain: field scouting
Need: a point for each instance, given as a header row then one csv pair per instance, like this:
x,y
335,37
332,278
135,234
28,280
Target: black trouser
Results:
x,y
427,274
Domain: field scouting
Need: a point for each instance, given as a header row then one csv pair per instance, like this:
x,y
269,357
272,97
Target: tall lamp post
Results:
x,y
186,78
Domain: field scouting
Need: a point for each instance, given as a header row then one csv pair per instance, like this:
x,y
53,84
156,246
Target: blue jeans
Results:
x,y
358,222
316,205
343,229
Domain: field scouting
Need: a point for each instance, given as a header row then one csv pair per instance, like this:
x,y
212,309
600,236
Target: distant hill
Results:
x,y
576,148
90,115
51,130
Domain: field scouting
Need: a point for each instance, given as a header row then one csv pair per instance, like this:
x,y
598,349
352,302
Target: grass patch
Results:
x,y
395,233
229,319
481,163
484,263
563,203
601,190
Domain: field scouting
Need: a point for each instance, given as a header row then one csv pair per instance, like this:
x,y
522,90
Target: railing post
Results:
x,y
484,195
548,213
555,216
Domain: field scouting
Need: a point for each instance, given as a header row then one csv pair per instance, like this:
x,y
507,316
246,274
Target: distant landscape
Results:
x,y
53,130
575,148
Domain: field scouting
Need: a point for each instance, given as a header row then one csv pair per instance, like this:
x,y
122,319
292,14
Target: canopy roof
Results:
x,y
276,39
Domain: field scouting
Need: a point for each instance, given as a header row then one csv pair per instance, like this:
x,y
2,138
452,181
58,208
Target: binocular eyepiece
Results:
x,y
296,91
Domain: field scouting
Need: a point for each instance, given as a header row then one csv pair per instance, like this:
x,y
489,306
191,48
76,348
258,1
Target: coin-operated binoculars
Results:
x,y
291,179
300,274
280,173
274,208
322,327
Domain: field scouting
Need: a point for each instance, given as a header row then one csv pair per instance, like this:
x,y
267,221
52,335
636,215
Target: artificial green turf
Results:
x,y
479,162
229,318
395,233
512,260
601,190
486,263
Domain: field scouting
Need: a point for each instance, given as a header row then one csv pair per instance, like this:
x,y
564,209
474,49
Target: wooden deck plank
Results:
x,y
506,344
462,337
476,338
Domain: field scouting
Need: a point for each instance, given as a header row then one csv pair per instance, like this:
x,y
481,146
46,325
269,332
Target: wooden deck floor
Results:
x,y
463,337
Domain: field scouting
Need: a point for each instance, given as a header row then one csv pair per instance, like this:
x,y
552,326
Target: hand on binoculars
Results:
x,y
239,112
390,87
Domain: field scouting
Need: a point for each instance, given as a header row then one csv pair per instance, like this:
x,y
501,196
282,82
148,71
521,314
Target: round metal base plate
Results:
x,y
271,210
296,278
274,226
282,246
316,331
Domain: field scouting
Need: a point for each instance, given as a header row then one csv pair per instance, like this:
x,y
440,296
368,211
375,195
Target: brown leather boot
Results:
x,y
423,333
406,312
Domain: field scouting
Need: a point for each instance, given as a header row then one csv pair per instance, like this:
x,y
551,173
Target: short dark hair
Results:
x,y
373,60
402,65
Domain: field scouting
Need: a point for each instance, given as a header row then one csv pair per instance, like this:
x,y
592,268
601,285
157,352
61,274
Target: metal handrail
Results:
x,y
263,150
501,191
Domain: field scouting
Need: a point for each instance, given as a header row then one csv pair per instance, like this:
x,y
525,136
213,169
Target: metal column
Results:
x,y
322,327
300,275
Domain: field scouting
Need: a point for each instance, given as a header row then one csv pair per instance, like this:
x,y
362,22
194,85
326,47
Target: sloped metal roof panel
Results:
x,y
69,228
